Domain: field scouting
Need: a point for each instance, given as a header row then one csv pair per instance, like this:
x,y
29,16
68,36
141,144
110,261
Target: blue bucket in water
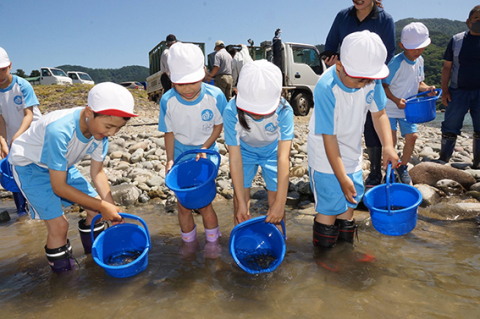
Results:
x,y
6,177
421,108
257,246
393,206
193,182
122,249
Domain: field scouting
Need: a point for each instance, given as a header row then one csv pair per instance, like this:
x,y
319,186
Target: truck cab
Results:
x,y
50,76
80,77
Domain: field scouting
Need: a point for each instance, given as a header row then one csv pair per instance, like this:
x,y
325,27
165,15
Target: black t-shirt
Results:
x,y
469,60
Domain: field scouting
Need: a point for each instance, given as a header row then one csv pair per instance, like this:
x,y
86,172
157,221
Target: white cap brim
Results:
x,y
422,45
382,74
193,77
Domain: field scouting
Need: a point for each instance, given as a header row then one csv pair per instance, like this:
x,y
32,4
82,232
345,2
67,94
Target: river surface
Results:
x,y
437,122
432,272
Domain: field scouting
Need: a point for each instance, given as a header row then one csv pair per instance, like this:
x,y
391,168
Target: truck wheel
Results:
x,y
301,104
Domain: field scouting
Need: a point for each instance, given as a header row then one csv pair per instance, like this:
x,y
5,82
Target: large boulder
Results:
x,y
125,194
430,173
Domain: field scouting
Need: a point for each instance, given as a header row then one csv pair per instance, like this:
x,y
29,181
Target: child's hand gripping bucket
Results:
x,y
122,249
257,246
193,182
393,206
6,177
421,108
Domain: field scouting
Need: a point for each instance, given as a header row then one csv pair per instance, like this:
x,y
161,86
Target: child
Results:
x,y
259,132
18,109
405,80
43,161
191,117
461,87
343,95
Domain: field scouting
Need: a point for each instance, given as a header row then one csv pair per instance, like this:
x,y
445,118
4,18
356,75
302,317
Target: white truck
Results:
x,y
80,77
50,76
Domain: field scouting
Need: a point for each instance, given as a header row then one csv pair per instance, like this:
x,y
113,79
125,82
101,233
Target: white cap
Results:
x,y
363,55
259,87
186,63
219,43
111,99
415,36
4,60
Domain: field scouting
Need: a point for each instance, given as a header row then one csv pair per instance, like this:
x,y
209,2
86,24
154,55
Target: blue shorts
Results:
x,y
181,148
462,102
266,158
34,183
405,126
329,197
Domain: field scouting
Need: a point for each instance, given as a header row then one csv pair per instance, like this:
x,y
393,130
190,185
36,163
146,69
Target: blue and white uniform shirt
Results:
x,y
18,96
341,111
192,122
56,142
268,130
404,78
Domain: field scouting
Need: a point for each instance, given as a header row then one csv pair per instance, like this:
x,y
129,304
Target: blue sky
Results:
x,y
112,34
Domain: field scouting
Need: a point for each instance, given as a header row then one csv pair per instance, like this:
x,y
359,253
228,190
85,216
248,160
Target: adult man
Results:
x,y
165,77
222,70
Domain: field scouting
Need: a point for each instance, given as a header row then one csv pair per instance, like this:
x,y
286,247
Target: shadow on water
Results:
x,y
433,272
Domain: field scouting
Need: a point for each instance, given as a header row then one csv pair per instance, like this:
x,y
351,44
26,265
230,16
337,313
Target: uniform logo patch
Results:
x,y
18,100
92,148
207,115
270,127
369,97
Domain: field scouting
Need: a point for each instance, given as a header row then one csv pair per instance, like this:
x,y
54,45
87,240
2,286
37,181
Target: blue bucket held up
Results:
x,y
120,243
421,108
393,206
6,177
193,182
257,246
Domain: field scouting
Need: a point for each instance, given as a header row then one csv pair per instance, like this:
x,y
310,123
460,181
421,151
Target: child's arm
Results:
x,y
58,180
383,129
276,212
399,102
170,150
335,160
422,87
100,180
236,171
27,120
217,129
3,137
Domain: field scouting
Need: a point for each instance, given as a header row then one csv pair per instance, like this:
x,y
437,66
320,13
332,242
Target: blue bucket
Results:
x,y
421,108
119,243
6,177
193,182
257,246
393,206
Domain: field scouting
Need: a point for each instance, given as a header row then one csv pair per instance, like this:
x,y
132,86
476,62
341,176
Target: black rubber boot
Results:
x,y
60,259
448,145
85,233
476,150
347,230
375,176
324,235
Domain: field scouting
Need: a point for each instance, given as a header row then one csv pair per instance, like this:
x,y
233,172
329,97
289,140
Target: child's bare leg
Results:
x,y
409,147
185,218
394,137
348,215
57,229
326,219
209,216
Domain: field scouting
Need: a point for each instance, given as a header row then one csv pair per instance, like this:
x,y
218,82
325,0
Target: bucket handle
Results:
x,y
426,92
390,180
262,220
124,215
196,151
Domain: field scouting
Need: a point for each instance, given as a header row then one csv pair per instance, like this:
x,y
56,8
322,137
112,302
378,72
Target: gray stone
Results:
x,y
125,195
258,193
116,154
143,198
137,156
126,157
430,195
475,187
155,181
430,173
452,212
450,187
304,188
141,145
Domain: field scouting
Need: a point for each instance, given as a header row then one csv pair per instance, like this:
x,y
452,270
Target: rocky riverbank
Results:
x,y
135,164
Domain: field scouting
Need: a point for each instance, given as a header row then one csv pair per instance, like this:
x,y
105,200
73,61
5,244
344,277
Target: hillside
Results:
x,y
126,73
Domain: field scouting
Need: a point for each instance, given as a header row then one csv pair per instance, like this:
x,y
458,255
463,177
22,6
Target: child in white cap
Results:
x,y
406,79
18,109
343,96
259,132
191,117
43,161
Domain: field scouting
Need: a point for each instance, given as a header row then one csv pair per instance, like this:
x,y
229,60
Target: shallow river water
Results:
x,y
433,272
